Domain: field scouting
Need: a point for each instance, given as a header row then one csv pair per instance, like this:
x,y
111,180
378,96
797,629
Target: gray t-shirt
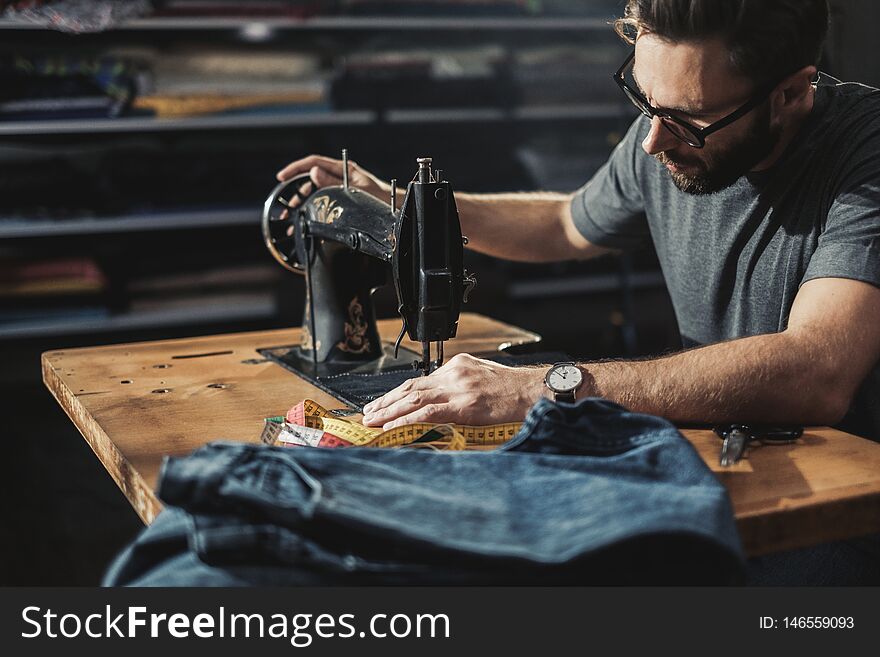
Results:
x,y
734,261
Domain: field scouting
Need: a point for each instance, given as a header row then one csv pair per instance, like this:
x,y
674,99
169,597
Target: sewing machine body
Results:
x,y
347,243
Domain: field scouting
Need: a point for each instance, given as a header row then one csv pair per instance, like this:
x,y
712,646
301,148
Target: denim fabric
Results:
x,y
586,493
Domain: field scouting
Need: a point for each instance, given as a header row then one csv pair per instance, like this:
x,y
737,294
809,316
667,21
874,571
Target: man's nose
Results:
x,y
659,139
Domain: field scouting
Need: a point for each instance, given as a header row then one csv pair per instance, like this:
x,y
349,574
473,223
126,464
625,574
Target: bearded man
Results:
x,y
757,179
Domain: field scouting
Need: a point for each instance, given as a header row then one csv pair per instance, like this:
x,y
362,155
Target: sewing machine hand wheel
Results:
x,y
279,220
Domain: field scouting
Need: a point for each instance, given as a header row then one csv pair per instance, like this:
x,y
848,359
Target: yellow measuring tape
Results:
x,y
310,424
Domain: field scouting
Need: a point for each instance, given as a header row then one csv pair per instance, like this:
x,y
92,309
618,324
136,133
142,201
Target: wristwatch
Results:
x,y
563,379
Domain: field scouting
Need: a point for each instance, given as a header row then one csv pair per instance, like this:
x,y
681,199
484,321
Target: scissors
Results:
x,y
736,437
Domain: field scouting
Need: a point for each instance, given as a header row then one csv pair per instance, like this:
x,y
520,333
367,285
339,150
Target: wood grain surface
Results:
x,y
137,403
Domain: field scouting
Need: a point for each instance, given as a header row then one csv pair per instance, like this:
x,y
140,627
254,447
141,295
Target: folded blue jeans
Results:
x,y
586,493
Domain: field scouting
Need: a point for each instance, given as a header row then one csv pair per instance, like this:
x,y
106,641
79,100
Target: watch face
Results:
x,y
564,378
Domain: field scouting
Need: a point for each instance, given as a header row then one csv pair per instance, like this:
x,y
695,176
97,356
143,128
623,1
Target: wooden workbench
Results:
x,y
137,403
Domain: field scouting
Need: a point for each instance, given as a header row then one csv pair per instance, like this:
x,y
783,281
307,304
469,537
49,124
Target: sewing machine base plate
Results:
x,y
294,359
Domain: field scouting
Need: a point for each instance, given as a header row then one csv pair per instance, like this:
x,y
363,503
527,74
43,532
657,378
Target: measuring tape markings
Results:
x,y
310,424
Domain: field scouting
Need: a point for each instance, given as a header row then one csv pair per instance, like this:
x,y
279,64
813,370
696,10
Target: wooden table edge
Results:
x,y
129,481
760,534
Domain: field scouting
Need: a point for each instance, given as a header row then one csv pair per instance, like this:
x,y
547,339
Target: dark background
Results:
x,y
64,517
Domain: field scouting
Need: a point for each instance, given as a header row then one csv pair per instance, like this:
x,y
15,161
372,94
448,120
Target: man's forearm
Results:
x,y
769,378
528,226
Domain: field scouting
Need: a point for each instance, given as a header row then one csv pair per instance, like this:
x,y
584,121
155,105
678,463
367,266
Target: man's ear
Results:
x,y
792,91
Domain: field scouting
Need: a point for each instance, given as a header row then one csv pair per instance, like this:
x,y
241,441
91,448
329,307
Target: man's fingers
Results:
x,y
403,405
324,178
416,383
389,397
295,201
297,167
328,172
302,192
307,163
398,405
433,413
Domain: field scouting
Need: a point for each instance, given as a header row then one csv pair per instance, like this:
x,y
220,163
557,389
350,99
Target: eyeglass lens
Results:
x,y
676,129
680,131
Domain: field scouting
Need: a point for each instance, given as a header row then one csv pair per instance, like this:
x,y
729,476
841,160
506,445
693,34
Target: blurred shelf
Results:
x,y
444,115
22,228
575,112
345,117
149,124
257,27
528,113
259,308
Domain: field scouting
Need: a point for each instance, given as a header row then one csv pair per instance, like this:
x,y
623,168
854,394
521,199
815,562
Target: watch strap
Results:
x,y
564,396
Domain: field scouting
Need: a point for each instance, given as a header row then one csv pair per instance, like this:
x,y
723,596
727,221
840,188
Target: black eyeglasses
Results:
x,y
736,437
686,132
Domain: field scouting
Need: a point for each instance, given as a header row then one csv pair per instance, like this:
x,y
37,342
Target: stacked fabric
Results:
x,y
75,16
199,81
424,78
57,289
54,86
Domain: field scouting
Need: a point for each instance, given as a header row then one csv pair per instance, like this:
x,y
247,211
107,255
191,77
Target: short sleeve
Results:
x,y
609,210
849,245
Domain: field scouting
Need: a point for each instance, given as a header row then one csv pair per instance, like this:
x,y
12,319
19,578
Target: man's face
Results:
x,y
696,82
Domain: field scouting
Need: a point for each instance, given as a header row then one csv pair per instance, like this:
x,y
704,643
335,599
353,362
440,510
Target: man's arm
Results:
x,y
808,374
530,227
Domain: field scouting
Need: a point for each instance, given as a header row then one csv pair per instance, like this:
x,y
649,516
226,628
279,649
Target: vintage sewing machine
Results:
x,y
347,243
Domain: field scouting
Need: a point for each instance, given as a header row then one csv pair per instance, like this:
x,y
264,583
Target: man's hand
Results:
x,y
326,171
466,390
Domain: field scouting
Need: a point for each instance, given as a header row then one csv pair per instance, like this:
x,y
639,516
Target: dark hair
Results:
x,y
768,39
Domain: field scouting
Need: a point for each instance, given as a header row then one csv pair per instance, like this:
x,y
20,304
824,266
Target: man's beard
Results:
x,y
724,168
